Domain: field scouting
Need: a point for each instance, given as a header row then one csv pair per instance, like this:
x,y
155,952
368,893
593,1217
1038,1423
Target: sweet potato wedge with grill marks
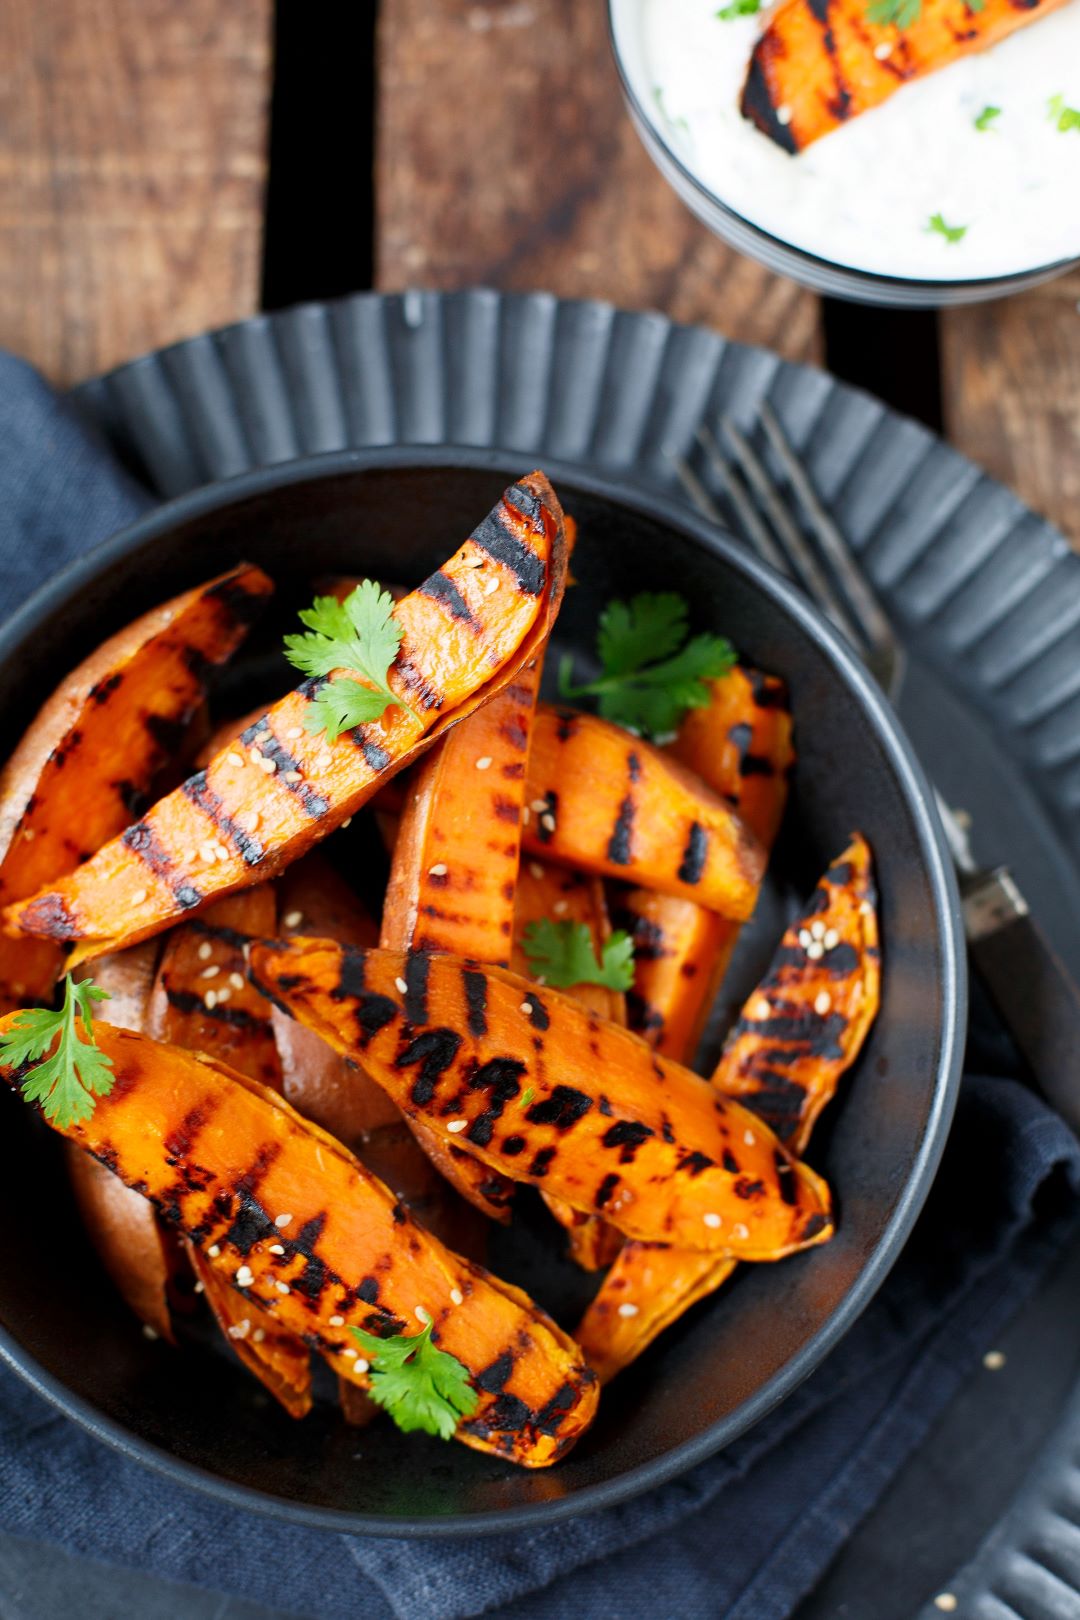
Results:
x,y
545,1092
740,746
90,756
798,1033
817,66
242,1175
616,806
279,789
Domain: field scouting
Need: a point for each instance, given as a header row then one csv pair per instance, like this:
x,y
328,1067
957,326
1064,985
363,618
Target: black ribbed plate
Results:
x,y
986,592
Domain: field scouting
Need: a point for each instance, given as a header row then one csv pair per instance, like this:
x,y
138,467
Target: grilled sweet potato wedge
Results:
x,y
279,789
816,66
93,751
541,1090
616,806
798,1033
243,1176
740,746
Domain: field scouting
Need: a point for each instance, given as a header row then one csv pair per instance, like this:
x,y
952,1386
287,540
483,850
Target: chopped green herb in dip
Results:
x,y
988,117
951,233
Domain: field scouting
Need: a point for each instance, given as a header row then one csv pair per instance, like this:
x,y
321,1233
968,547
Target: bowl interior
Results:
x,y
734,1355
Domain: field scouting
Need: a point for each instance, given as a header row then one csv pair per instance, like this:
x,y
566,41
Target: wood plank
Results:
x,y
131,174
1011,381
505,157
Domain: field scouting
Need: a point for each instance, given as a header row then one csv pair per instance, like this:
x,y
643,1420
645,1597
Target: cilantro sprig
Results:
x,y
951,233
739,8
987,118
902,13
562,954
421,1386
651,674
359,634
68,1083
1063,116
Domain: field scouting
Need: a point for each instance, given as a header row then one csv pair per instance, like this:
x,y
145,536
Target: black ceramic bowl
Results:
x,y
196,1415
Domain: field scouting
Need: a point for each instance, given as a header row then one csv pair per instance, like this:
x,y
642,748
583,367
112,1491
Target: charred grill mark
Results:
x,y
694,855
179,1142
562,1109
694,1162
242,606
648,936
542,1162
316,1273
514,731
538,1013
212,806
618,850
228,936
501,1079
841,961
434,1051
496,536
367,1291
605,1190
505,809
103,690
251,1224
528,505
757,102
512,1146
415,681
198,666
375,757
131,796
261,736
817,1222
475,984
769,690
633,765
550,1416
417,973
188,1002
746,1189
730,1162
492,1378
840,874
50,918
627,1135
548,817
566,724
785,1177
441,588
165,732
142,841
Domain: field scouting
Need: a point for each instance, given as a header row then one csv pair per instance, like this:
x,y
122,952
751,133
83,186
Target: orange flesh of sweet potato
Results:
x,y
238,1170
279,789
97,745
618,807
609,1126
740,746
819,63
786,1018
454,875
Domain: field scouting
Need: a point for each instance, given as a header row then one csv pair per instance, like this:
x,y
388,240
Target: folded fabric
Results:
x,y
742,1537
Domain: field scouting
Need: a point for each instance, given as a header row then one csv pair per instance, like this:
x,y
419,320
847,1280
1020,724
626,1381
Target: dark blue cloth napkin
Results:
x,y
744,1536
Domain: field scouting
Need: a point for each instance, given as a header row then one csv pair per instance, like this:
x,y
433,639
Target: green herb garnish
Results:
x,y
67,1084
527,1096
987,117
739,8
421,1386
1064,117
651,674
358,634
951,233
661,107
897,13
562,954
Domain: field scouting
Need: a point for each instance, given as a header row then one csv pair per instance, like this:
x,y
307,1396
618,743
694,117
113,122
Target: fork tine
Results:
x,y
755,530
801,560
872,621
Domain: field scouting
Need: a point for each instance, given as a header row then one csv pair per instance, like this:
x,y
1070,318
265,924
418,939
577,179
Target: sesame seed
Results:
x,y
866,909
783,115
492,585
749,1138
245,1277
628,1309
484,764
294,732
200,1288
422,1315
224,995
350,1352
994,1360
282,1220
456,1296
883,50
29,834
221,852
138,897
234,759
400,986
946,1601
805,937
831,940
537,870
541,978
526,815
277,1248
740,1231
526,1008
148,1331
256,754
560,907
206,853
293,919
761,1008
548,822
214,1250
259,1335
206,950
248,820
240,1330
438,870
291,776
346,823
815,950
456,1125
268,765
360,1365
210,1001
539,805
336,1321
817,929
211,972
822,1003
283,1288
236,980
713,1220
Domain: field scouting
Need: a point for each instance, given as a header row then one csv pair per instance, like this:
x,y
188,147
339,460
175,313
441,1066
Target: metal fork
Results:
x,y
1034,994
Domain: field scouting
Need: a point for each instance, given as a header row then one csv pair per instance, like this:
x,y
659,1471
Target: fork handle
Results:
x,y
1030,986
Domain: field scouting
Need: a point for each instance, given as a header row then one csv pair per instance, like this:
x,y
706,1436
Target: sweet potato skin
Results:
x,y
279,789
94,749
820,64
609,1127
237,1170
783,1061
618,807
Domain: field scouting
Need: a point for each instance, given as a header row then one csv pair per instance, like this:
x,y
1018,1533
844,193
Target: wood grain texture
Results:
x,y
505,157
1011,383
131,174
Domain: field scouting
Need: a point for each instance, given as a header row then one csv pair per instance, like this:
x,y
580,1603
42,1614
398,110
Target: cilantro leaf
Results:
x,y
562,954
987,117
651,673
951,233
421,1386
739,8
901,13
68,1083
1064,117
359,634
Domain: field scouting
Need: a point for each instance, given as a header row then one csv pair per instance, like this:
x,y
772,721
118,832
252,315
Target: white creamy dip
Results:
x,y
864,195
